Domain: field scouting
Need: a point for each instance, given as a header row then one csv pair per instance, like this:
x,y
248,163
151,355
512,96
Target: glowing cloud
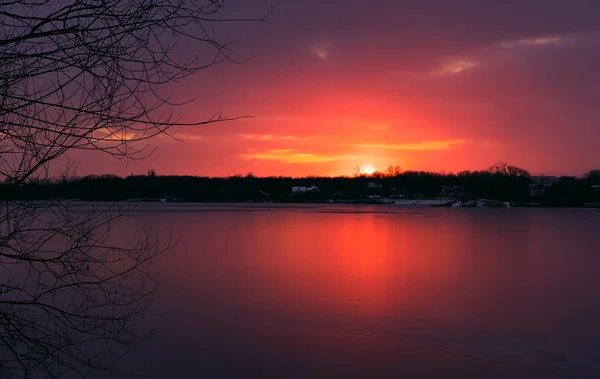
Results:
x,y
458,66
291,156
455,67
115,135
418,146
526,42
267,137
321,51
274,137
188,137
380,127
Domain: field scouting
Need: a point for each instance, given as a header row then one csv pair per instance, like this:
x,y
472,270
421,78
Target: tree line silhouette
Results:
x,y
500,182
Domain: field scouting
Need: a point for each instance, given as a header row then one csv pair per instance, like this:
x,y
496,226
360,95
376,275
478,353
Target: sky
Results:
x,y
437,85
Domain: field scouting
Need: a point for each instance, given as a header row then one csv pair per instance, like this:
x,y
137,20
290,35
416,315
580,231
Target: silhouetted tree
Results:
x,y
377,175
505,169
83,75
392,171
358,171
474,185
593,178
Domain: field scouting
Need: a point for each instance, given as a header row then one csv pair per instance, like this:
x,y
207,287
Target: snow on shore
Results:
x,y
420,202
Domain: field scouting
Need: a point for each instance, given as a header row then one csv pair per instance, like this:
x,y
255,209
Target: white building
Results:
x,y
374,185
543,181
301,189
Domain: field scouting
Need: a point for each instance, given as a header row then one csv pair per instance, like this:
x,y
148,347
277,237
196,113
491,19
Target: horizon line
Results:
x,y
374,175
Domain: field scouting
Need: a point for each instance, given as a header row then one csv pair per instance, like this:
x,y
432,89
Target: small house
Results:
x,y
543,181
396,193
537,190
300,190
539,185
453,192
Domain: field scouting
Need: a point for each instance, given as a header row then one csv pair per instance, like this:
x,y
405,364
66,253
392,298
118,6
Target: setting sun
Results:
x,y
368,169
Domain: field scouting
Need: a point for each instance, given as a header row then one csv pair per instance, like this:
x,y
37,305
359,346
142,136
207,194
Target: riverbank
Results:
x,y
453,203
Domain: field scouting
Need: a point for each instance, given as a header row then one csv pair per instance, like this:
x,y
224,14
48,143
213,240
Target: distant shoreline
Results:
x,y
398,203
496,187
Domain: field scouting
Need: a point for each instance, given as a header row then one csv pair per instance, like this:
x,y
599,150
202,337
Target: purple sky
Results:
x,y
433,85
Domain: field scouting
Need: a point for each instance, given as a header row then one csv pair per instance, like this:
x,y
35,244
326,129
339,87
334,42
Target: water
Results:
x,y
375,292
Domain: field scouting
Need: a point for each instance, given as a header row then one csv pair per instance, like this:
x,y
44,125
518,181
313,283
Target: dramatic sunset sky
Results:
x,y
440,85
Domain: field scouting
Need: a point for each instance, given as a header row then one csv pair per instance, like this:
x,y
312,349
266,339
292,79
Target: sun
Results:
x,y
368,169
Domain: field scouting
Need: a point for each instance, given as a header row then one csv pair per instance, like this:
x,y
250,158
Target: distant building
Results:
x,y
453,192
396,193
539,185
417,196
536,190
543,181
167,198
297,190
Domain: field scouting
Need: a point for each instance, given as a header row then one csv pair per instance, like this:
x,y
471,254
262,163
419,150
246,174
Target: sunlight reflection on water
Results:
x,y
360,291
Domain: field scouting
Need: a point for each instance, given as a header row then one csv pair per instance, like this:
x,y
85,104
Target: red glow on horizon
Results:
x,y
433,98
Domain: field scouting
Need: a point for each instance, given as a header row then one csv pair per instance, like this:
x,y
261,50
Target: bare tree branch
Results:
x,y
85,75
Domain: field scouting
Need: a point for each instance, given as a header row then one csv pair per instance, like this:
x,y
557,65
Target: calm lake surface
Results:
x,y
315,291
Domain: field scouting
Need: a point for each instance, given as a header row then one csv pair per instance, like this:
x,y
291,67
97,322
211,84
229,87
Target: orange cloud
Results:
x,y
291,156
379,127
330,152
417,146
188,137
267,137
115,135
